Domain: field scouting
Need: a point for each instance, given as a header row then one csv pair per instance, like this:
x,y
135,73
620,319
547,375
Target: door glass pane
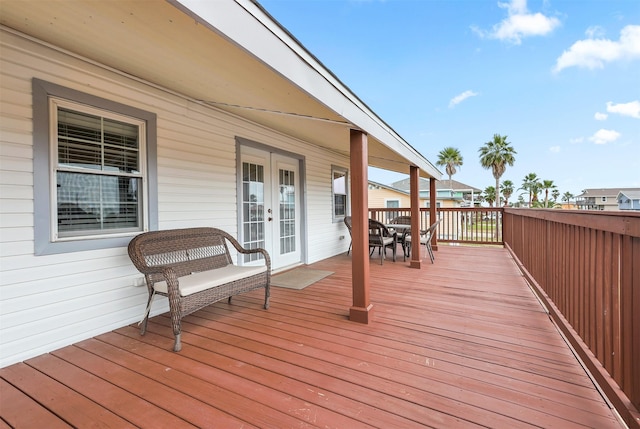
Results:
x,y
287,208
253,208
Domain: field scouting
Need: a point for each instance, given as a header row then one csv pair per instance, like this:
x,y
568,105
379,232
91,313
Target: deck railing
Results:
x,y
586,268
457,225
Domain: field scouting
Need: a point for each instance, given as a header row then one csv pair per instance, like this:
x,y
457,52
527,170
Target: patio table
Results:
x,y
402,230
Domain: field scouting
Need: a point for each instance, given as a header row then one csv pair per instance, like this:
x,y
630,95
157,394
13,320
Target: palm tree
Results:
x,y
531,184
536,190
490,195
451,158
555,194
567,197
547,185
507,190
496,155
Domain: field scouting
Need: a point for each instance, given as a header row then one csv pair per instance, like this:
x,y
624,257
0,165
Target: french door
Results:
x,y
270,212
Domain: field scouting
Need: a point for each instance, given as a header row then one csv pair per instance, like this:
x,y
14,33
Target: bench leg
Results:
x,y
176,324
266,298
175,309
177,345
143,322
143,325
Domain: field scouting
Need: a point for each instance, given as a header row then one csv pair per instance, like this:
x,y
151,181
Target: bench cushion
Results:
x,y
198,282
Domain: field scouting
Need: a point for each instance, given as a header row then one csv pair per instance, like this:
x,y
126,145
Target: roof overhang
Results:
x,y
229,54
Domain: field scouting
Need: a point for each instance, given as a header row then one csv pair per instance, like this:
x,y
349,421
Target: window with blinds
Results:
x,y
98,168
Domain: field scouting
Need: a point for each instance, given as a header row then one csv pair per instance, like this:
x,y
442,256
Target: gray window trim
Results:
x,y
41,91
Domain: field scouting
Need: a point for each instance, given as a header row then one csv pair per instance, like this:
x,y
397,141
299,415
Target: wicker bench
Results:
x,y
193,268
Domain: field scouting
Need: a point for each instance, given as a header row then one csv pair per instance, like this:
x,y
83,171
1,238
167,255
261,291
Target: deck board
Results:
x,y
460,343
67,404
19,409
134,409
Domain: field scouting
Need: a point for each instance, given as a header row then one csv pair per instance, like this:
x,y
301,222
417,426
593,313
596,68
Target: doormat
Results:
x,y
299,278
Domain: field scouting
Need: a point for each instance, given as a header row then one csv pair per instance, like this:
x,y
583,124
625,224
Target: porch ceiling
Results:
x,y
228,54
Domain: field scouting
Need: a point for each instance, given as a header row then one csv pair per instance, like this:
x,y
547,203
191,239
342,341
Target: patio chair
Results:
x,y
381,237
425,238
347,221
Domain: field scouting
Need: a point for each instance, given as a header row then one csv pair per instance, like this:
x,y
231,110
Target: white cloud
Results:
x,y
515,6
554,149
461,97
576,140
594,31
625,109
519,24
594,53
600,116
603,136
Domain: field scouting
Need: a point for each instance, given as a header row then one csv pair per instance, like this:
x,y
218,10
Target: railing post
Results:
x,y
432,211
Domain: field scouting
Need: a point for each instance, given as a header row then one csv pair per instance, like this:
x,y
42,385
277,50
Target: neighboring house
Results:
x,y
119,117
385,196
568,205
601,199
456,194
629,200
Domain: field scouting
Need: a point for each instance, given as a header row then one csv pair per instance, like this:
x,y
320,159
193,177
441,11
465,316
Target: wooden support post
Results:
x,y
361,311
414,196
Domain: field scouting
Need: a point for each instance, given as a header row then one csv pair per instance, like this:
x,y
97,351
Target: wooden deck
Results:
x,y
460,343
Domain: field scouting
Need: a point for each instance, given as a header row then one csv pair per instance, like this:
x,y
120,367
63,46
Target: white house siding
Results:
x,y
50,301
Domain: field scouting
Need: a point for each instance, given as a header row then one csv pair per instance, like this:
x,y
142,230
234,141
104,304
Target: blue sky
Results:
x,y
560,78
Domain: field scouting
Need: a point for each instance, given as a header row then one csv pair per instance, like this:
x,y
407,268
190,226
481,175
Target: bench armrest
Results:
x,y
244,250
168,273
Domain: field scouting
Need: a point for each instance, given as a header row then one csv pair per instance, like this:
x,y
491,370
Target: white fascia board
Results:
x,y
247,25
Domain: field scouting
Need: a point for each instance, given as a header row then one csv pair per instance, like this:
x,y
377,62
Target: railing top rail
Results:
x,y
617,222
469,209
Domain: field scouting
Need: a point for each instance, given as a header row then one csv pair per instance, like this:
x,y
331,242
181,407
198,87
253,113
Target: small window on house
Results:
x,y
603,199
339,193
392,204
97,172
